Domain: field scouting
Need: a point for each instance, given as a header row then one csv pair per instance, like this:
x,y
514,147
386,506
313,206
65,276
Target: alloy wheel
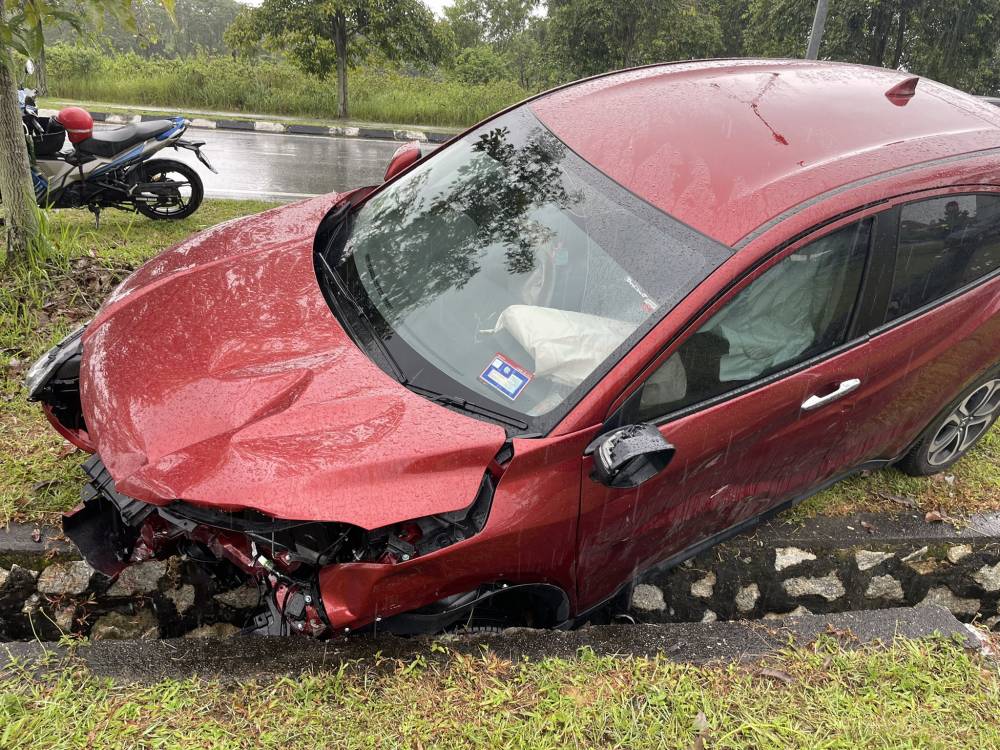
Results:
x,y
966,424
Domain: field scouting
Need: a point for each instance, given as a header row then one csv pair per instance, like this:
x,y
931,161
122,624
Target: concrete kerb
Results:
x,y
234,660
274,126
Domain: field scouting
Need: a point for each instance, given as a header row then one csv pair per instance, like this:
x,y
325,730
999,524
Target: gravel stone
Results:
x,y
958,552
118,626
245,597
704,587
709,616
885,587
64,617
988,577
746,597
142,578
648,598
829,587
916,555
786,557
868,559
69,578
799,611
941,595
218,630
183,598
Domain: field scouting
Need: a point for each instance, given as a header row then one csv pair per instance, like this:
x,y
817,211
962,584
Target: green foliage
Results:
x,y
305,30
480,64
593,36
197,26
275,87
954,43
493,22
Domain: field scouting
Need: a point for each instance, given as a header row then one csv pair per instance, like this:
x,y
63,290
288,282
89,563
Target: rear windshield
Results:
x,y
507,271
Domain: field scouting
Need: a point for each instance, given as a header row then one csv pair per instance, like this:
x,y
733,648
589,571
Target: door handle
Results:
x,y
815,402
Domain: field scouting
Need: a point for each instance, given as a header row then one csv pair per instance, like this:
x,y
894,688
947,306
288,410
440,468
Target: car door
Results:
x,y
753,399
935,324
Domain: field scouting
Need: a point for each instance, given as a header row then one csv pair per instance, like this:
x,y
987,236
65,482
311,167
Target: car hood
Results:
x,y
217,374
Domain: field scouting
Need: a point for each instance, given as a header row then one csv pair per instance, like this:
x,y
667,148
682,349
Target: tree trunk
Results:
x,y
879,37
897,56
340,45
16,190
41,78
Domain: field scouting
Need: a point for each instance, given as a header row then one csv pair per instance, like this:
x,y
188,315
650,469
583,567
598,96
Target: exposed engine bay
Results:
x,y
283,557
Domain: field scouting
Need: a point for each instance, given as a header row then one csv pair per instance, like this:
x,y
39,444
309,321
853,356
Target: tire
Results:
x,y
161,169
959,427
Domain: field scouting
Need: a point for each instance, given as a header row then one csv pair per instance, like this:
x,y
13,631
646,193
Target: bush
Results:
x,y
273,87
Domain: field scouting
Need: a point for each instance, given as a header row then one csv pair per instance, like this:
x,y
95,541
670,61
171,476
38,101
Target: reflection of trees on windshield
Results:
x,y
431,234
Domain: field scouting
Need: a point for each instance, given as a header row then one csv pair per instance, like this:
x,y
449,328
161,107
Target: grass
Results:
x,y
972,485
38,474
191,114
277,88
928,694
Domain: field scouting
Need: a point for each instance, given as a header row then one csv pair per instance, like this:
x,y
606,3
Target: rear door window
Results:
x,y
944,244
797,309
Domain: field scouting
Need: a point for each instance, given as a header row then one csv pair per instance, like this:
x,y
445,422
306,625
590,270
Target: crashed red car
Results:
x,y
591,336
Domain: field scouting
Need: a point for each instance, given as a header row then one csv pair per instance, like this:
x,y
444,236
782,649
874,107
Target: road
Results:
x,y
280,167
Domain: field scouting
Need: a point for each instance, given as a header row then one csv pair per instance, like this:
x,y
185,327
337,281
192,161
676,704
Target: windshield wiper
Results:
x,y
465,405
342,292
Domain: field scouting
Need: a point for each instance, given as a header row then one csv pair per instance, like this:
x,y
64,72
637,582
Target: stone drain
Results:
x,y
833,565
826,565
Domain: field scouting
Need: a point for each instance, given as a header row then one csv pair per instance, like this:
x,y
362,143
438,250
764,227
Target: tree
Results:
x,y
593,36
950,42
493,22
21,32
320,35
199,27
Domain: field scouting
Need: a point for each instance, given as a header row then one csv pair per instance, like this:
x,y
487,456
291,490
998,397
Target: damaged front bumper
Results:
x,y
292,562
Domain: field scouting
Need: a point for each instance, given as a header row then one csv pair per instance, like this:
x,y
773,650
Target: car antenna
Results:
x,y
902,92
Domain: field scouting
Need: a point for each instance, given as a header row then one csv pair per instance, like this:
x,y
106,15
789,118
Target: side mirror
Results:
x,y
629,456
29,67
403,157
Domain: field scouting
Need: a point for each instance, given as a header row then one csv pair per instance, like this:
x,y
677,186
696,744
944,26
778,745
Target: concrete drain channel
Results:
x,y
818,571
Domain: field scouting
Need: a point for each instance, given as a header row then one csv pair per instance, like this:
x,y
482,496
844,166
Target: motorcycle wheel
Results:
x,y
184,197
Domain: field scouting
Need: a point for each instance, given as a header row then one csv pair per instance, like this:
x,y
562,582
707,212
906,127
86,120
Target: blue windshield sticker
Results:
x,y
505,376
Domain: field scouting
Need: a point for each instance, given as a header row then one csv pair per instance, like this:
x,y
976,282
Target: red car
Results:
x,y
593,335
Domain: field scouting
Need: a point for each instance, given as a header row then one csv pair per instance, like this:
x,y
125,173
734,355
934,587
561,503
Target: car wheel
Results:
x,y
960,427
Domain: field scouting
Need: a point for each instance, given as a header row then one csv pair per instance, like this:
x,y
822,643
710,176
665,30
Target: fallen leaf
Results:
x,y
934,516
904,500
870,528
67,449
777,674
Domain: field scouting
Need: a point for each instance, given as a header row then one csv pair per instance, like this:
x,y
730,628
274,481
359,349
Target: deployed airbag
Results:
x,y
566,346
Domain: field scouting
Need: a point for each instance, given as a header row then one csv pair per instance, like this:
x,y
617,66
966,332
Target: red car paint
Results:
x,y
217,374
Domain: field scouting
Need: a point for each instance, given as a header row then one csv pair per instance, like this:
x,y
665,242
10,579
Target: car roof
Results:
x,y
727,145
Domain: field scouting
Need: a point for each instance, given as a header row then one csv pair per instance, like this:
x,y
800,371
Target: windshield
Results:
x,y
507,271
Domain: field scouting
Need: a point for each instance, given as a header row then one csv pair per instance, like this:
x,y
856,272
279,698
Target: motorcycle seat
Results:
x,y
109,143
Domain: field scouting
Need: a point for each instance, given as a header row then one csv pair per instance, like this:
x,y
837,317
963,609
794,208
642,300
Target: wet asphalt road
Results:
x,y
280,167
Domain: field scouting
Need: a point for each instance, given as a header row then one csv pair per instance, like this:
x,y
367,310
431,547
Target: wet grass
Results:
x,y
38,471
929,694
971,485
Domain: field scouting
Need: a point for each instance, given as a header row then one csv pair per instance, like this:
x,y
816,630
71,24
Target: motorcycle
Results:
x,y
110,168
